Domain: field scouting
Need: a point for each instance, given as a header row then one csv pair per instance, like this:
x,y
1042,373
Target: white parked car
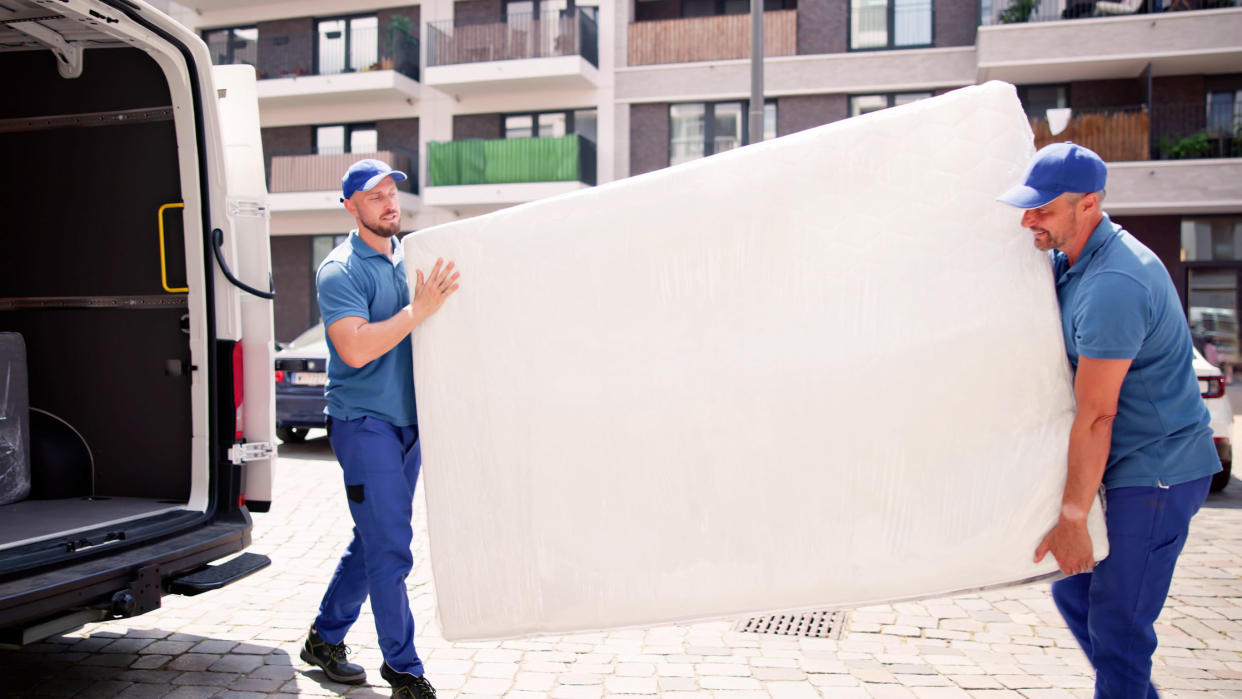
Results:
x,y
1212,386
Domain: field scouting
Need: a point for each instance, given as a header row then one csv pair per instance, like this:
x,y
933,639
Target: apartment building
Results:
x,y
498,102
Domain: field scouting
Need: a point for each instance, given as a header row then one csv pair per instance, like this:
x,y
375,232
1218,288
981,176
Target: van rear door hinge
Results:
x,y
241,452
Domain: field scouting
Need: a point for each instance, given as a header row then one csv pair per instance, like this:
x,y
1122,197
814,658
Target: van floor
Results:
x,y
29,521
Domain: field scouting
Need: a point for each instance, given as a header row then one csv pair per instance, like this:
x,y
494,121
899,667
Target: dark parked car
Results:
x,y
301,372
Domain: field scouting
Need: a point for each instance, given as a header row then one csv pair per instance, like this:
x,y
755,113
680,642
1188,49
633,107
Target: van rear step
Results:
x,y
215,577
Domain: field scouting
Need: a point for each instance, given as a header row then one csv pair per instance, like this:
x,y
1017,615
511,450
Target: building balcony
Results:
x,y
549,50
1170,158
305,190
328,68
715,38
1107,46
501,172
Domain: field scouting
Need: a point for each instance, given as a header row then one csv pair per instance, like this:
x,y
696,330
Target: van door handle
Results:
x,y
163,262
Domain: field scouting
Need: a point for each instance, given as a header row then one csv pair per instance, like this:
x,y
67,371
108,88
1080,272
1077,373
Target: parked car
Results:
x,y
301,372
1212,386
136,430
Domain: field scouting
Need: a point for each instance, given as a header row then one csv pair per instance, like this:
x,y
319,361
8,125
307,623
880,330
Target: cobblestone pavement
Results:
x,y
243,641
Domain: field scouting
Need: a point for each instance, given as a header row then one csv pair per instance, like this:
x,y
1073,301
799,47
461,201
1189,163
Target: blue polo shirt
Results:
x,y
1118,302
355,280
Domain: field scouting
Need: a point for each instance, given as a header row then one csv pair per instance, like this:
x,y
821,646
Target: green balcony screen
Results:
x,y
503,161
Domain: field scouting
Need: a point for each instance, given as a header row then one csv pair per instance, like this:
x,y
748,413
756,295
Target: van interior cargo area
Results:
x,y
90,160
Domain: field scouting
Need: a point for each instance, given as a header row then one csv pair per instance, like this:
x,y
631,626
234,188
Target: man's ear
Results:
x,y
1090,201
349,206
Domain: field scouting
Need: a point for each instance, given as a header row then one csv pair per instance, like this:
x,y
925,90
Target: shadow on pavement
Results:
x,y
140,661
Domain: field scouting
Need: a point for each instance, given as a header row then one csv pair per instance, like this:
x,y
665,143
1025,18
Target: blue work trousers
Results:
x,y
380,462
1112,610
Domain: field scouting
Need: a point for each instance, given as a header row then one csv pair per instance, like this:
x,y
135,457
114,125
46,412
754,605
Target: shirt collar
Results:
x,y
363,250
1103,232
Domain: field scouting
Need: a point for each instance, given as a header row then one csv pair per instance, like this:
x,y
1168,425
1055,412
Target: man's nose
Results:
x,y
1028,218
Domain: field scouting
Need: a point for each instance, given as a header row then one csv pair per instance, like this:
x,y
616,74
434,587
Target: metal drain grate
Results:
x,y
811,624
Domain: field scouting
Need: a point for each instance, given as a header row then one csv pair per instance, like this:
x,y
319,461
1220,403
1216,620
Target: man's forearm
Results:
x,y
1090,439
361,342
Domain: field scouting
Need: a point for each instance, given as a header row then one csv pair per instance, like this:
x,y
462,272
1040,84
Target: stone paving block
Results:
x,y
193,662
715,682
631,685
194,693
778,674
577,692
149,676
677,684
580,679
889,691
111,660
237,663
486,685
726,669
940,693
792,690
504,671
212,679
143,691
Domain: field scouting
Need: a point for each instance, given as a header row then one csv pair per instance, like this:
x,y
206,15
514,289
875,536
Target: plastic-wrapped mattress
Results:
x,y
822,371
14,420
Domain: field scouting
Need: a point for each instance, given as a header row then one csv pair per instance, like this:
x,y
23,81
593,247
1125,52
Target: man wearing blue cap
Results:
x,y
372,426
1140,427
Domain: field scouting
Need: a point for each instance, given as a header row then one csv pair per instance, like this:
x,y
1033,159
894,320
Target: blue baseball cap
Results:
x,y
1056,169
365,174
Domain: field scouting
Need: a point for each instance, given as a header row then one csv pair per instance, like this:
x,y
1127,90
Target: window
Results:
x,y
865,104
551,124
1212,239
346,138
1224,113
886,24
699,129
347,44
233,45
1038,99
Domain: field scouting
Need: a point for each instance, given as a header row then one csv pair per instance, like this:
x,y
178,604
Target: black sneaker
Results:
x,y
331,658
407,686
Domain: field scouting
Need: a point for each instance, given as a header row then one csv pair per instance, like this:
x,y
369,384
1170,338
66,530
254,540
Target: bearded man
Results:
x,y
373,426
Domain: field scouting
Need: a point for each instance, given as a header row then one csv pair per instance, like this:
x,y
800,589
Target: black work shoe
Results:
x,y
331,658
407,686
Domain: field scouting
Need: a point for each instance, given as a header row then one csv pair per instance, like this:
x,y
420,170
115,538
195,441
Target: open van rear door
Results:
x,y
246,249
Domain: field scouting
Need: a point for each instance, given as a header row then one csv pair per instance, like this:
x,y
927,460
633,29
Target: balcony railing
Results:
x,y
322,172
1016,11
720,37
511,160
1164,132
325,53
521,35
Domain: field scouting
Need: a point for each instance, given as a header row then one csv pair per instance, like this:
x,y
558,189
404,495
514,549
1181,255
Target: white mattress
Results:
x,y
822,371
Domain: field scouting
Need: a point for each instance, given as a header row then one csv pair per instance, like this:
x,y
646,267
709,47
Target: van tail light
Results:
x,y
280,376
239,392
1220,440
1212,386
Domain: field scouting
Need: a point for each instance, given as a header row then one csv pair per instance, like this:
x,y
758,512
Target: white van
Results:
x,y
135,313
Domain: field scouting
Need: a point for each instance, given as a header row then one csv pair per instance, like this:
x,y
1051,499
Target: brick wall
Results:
x,y
649,137
823,26
478,11
1178,89
795,114
286,47
1088,94
294,280
476,125
955,22
400,134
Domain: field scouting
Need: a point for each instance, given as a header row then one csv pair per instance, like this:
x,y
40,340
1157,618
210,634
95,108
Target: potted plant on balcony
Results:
x,y
1018,11
398,42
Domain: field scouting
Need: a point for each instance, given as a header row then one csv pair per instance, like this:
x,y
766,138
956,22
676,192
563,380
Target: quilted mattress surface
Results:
x,y
818,372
